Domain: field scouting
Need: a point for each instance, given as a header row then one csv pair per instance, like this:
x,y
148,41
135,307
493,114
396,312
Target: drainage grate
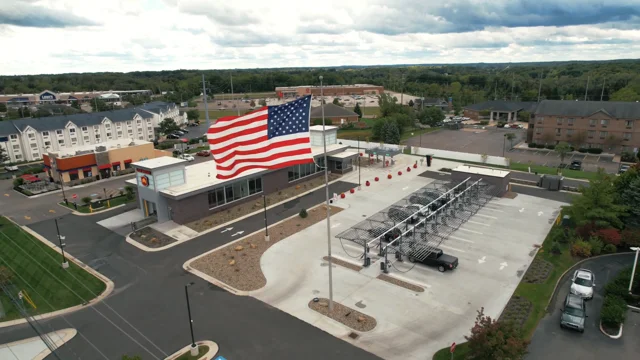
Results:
x,y
353,335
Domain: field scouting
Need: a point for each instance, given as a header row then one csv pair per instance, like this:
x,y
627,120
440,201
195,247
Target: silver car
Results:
x,y
574,313
582,283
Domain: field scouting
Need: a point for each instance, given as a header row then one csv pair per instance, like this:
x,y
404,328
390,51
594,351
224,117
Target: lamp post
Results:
x,y
359,182
326,189
65,263
635,263
266,225
194,347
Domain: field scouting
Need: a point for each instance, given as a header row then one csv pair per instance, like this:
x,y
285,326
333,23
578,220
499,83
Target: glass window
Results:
x,y
593,122
14,137
16,147
84,128
59,132
45,133
591,133
228,193
604,122
31,135
626,136
570,121
61,141
338,165
72,130
603,134
34,145
558,132
18,156
86,138
87,173
627,123
538,130
73,176
107,126
559,121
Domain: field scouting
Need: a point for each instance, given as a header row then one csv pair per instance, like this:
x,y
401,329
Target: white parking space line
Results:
x,y
451,248
488,216
477,223
461,239
471,231
410,281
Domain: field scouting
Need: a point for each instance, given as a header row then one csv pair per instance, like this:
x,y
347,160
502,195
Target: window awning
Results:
x,y
128,161
86,169
117,163
73,171
104,166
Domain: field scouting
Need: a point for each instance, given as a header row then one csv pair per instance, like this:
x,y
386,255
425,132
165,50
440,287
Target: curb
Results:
x,y
615,337
213,350
107,291
187,264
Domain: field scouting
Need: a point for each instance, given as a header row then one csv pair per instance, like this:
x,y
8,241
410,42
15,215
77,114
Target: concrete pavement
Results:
x,y
35,348
550,342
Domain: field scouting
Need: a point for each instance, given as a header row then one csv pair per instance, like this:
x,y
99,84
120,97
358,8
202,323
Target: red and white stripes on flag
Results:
x,y
269,138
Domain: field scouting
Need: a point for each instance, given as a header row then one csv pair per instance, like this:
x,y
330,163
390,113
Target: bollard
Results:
x,y
368,183
399,173
377,179
352,191
342,196
388,176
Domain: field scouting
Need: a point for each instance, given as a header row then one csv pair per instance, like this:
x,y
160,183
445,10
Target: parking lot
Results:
x,y
491,141
493,255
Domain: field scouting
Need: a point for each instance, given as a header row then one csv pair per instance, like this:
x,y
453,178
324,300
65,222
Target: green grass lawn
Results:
x,y
370,110
38,266
202,349
112,202
195,150
215,114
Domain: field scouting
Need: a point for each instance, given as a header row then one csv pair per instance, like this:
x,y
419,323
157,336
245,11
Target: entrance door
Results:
x,y
149,208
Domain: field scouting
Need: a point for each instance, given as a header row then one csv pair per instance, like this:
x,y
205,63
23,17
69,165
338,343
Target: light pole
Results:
x,y
65,263
194,347
326,189
635,262
359,183
266,225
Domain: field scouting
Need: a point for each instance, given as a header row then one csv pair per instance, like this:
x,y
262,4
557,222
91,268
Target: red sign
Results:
x,y
75,196
144,180
144,171
453,348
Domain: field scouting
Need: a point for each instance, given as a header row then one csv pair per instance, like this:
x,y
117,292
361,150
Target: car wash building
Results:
x,y
171,190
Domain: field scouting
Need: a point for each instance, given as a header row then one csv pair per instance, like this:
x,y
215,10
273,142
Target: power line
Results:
x,y
92,307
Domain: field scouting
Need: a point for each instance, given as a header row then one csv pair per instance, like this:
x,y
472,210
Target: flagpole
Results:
x,y
326,190
204,97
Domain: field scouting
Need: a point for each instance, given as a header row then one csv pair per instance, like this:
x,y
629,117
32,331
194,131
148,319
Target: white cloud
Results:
x,y
56,36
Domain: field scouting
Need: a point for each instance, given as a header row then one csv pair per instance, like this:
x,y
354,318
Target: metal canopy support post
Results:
x,y
326,188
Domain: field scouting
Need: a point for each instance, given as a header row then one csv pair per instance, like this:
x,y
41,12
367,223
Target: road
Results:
x,y
149,294
550,342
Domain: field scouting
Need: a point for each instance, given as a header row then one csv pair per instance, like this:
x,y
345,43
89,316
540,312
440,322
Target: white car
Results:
x,y
582,283
187,157
11,168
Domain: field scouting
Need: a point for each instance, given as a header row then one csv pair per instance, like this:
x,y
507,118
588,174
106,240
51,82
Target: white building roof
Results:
x,y
158,162
344,154
110,144
319,127
109,96
481,171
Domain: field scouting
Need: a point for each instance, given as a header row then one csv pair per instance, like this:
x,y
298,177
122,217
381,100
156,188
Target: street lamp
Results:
x,y
635,262
194,347
65,263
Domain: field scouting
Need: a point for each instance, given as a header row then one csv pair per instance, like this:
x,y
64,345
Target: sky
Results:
x,y
61,36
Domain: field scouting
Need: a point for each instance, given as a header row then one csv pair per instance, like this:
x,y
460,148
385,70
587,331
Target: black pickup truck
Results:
x,y
438,259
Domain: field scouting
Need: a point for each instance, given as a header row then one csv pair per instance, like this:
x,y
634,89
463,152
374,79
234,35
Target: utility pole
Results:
x,y
65,264
539,87
204,96
326,190
237,108
602,93
194,347
587,89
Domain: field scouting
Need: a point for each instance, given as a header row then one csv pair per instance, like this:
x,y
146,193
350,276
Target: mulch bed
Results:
x,y
238,264
404,284
538,271
344,315
342,263
510,195
516,311
247,208
150,237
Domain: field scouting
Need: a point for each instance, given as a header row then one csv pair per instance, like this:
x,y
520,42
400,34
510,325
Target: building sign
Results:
x,y
47,96
144,180
143,171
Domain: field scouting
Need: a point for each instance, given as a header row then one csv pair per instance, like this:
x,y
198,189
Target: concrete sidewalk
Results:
x,y
34,348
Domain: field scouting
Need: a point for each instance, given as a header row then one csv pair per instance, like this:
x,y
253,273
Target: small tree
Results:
x,y
5,275
410,103
75,105
252,103
430,116
336,101
495,340
357,110
130,191
3,107
262,102
303,213
167,126
510,137
563,149
193,115
86,200
18,181
457,109
579,138
524,116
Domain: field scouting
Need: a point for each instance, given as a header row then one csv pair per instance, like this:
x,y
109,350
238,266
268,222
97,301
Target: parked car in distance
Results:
x,y
203,153
623,169
173,136
438,259
575,165
582,283
184,131
574,313
187,157
11,168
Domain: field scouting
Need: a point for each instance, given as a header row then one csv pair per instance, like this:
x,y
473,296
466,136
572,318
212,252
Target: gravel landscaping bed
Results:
x,y
342,263
240,210
400,283
344,315
517,310
238,264
538,271
150,237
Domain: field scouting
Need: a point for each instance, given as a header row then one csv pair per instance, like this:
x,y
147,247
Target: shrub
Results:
x,y
594,151
581,248
571,148
555,249
628,156
557,235
319,121
596,245
303,213
613,311
484,122
610,236
86,200
631,237
609,249
582,150
550,146
18,181
540,146
585,231
5,275
532,145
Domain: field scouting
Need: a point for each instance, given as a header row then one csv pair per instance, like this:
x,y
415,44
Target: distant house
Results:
x,y
337,114
499,110
431,102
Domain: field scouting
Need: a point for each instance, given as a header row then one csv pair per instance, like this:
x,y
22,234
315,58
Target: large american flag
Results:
x,y
271,137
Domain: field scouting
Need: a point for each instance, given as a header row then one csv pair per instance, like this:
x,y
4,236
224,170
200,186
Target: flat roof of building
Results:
x,y
203,175
344,154
109,144
158,162
319,127
481,171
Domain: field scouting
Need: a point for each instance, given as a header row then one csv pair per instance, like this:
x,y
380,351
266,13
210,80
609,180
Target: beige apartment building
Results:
x,y
607,125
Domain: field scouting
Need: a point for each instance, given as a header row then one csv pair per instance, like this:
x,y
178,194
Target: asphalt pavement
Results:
x,y
550,342
149,294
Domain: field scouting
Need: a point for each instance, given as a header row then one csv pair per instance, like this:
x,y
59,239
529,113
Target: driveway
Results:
x,y
550,342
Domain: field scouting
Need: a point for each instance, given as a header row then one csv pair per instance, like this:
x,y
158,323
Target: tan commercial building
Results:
x,y
332,90
608,125
112,158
